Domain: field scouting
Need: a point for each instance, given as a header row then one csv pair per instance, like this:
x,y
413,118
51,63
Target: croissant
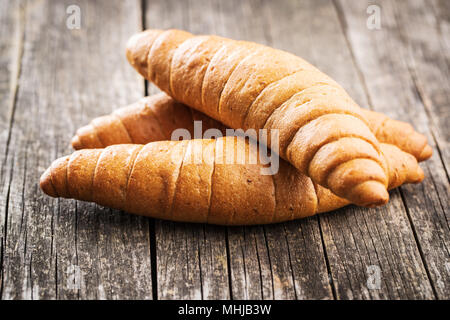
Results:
x,y
193,181
156,117
320,129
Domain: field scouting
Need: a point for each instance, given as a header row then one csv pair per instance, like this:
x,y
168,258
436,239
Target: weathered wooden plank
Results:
x,y
251,272
192,261
68,249
368,243
319,39
387,61
62,248
420,26
178,262
265,262
11,44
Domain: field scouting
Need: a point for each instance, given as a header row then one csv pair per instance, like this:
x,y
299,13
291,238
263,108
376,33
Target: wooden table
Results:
x,y
54,79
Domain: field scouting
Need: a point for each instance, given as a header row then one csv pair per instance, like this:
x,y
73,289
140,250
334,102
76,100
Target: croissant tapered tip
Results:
x,y
370,194
86,138
76,143
420,175
46,184
426,153
138,47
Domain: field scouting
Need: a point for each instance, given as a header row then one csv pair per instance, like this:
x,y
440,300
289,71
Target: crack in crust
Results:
x,y
131,172
206,71
212,183
178,172
133,162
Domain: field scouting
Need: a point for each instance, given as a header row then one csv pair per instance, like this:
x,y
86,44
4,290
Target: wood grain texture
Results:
x,y
396,84
11,45
192,261
54,80
61,248
422,27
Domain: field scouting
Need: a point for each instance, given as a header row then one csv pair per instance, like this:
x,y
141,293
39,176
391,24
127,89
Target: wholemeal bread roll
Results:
x,y
156,117
194,181
250,86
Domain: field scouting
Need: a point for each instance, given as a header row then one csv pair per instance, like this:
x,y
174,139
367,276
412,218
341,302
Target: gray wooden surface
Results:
x,y
54,79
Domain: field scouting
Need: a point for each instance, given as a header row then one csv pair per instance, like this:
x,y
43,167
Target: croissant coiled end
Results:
x,y
86,137
137,49
370,194
76,143
46,184
426,153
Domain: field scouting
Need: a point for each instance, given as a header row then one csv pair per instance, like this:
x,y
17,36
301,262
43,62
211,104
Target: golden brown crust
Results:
x,y
80,173
279,92
141,112
152,181
399,133
323,130
189,65
112,172
302,109
364,179
328,201
219,70
425,154
138,48
251,76
155,118
163,180
58,177
193,189
46,184
403,166
289,184
160,57
240,194
86,137
150,119
243,80
337,153
109,129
